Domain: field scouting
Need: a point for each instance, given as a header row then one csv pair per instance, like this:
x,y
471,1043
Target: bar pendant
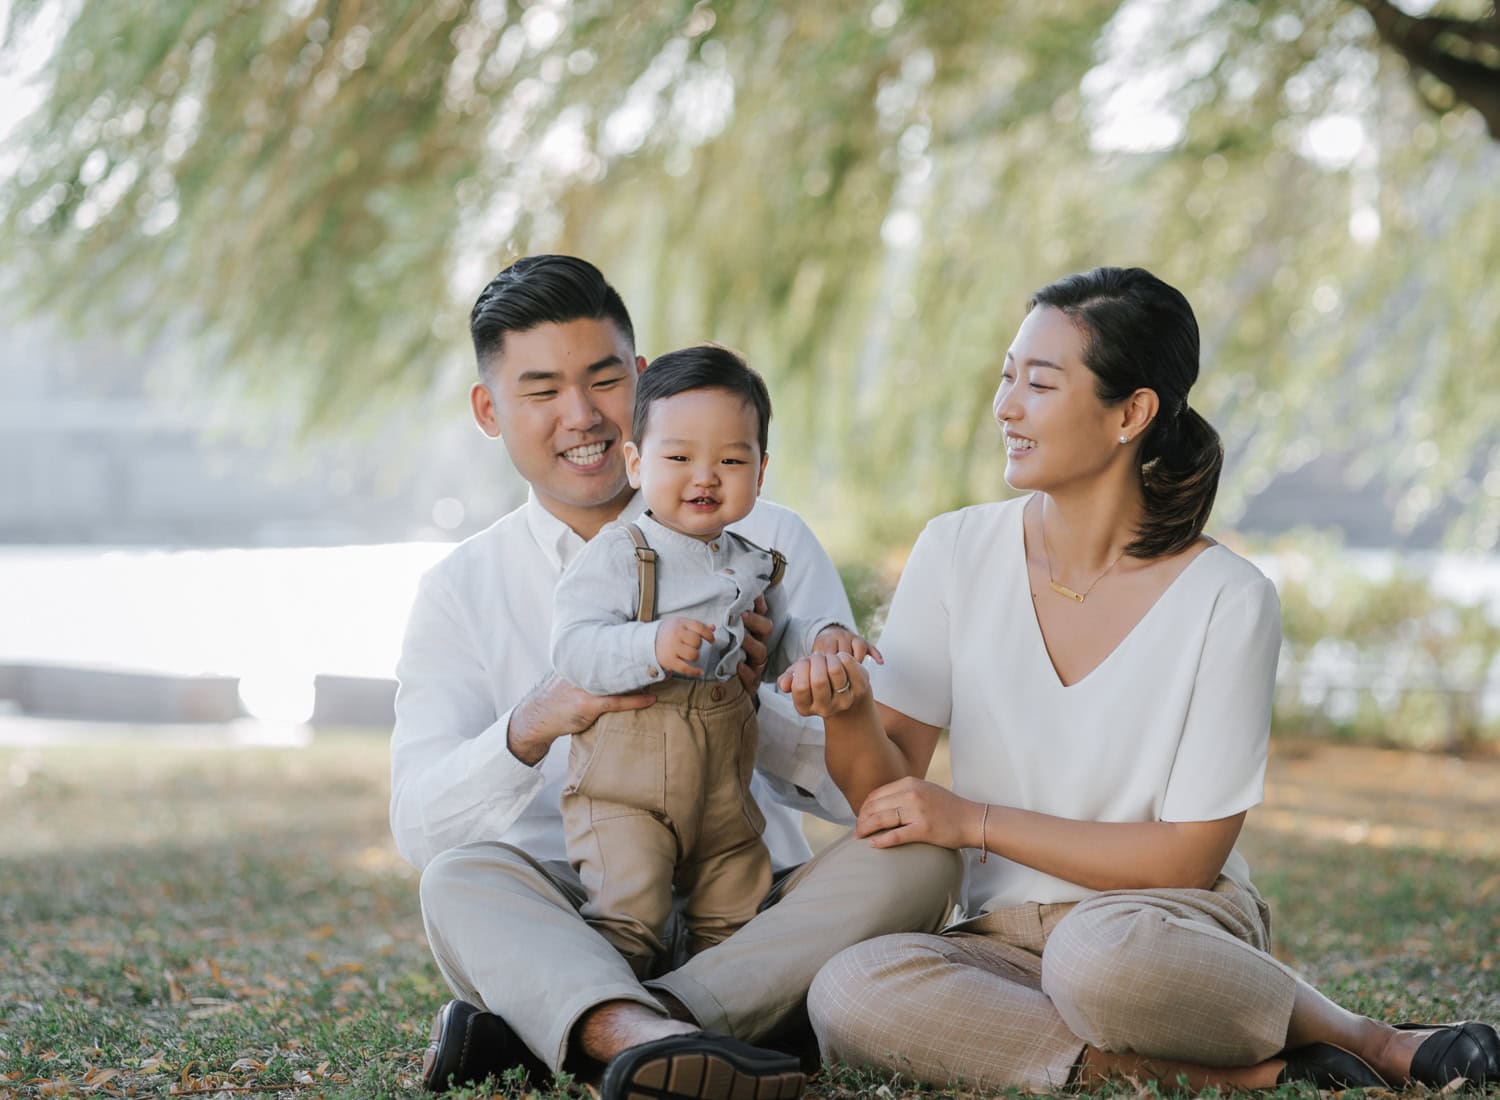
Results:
x,y
1064,590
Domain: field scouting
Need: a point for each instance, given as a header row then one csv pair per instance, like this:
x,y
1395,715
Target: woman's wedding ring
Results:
x,y
848,686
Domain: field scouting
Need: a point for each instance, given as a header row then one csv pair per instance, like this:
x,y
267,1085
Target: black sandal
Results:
x,y
1329,1067
1468,1049
701,1067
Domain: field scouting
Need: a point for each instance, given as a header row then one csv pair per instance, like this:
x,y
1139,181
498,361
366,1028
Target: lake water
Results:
x,y
274,618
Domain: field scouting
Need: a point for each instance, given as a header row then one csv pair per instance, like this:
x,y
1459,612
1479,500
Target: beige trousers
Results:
x,y
1011,997
661,796
507,935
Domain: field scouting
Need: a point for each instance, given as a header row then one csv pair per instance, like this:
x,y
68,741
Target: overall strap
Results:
x,y
778,568
645,559
778,559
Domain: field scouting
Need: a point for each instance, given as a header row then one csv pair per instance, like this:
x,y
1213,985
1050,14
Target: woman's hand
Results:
x,y
911,810
826,685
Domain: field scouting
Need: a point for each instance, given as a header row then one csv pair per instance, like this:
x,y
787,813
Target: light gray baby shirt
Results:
x,y
597,642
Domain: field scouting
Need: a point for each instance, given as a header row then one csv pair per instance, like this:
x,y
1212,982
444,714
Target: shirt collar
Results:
x,y
559,542
658,534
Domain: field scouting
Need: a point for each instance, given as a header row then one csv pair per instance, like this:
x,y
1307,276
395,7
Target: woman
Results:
x,y
1106,673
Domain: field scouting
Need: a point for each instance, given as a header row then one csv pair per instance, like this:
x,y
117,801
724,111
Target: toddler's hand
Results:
x,y
678,641
832,640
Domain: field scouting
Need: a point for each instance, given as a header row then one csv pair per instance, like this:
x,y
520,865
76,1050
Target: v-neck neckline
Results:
x,y
1040,636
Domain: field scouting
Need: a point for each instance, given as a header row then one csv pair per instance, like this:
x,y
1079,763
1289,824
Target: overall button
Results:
x,y
716,694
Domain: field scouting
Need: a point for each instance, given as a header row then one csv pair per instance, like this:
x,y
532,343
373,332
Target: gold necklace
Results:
x,y
1057,586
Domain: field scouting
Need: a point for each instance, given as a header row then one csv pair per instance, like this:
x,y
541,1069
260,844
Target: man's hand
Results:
x,y
678,641
833,640
757,634
556,708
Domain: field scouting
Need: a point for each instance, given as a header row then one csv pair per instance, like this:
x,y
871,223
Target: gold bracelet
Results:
x,y
984,848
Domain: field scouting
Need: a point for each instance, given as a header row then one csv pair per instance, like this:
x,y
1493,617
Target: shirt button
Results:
x,y
728,572
716,694
713,546
652,671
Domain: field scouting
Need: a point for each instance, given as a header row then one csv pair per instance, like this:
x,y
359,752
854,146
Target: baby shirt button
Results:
x,y
713,546
652,671
728,572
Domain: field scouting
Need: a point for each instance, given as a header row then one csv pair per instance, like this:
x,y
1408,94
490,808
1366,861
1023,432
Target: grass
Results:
x,y
223,922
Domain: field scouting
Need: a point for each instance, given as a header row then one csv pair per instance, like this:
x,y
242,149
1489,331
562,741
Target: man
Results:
x,y
481,743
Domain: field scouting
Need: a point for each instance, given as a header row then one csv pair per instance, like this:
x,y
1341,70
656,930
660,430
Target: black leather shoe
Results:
x,y
701,1067
469,1044
1329,1067
1468,1049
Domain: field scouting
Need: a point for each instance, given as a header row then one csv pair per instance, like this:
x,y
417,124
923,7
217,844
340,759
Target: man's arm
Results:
x,y
790,753
454,778
460,772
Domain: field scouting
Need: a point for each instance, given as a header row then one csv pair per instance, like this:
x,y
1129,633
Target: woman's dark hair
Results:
x,y
702,367
538,290
1140,333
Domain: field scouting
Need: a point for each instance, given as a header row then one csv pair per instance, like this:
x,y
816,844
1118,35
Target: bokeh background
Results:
x,y
238,243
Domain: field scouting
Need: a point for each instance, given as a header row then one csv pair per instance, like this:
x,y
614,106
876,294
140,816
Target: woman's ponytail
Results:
x,y
1181,459
1140,333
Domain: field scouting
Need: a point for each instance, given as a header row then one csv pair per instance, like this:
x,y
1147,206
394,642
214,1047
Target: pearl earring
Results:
x,y
1124,439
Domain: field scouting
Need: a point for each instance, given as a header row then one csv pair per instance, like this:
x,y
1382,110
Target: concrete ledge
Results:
x,y
90,694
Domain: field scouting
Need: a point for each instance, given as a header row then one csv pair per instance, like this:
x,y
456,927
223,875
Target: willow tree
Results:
x,y
860,196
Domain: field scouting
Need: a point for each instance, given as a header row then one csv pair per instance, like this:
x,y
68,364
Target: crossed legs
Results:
x,y
506,934
1157,985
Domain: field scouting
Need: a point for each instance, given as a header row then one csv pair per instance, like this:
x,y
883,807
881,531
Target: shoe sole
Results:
x,y
434,1044
707,1074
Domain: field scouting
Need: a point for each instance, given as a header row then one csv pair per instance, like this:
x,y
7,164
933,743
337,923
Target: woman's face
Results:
x,y
1057,431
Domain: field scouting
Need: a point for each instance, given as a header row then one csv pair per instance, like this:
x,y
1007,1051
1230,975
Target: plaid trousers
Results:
x,y
1011,997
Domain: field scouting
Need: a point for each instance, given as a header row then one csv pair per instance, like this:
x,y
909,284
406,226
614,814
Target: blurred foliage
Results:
x,y
860,196
1383,657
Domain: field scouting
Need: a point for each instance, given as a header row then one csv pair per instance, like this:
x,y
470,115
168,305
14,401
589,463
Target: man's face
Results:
x,y
561,397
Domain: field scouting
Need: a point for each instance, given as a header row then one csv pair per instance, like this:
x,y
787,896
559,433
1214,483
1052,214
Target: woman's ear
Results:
x,y
1137,411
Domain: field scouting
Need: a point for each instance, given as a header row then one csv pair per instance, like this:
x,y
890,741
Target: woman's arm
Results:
x,y
866,744
1099,855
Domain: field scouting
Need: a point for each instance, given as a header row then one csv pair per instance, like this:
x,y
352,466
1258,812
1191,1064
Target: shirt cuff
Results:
x,y
643,655
811,631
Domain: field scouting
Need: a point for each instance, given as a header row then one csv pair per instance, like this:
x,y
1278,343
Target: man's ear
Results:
x,y
640,364
632,464
482,402
760,478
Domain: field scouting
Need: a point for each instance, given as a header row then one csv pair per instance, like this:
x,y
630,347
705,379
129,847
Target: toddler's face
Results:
x,y
700,465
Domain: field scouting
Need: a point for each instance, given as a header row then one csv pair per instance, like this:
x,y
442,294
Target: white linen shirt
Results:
x,y
597,642
1172,726
477,641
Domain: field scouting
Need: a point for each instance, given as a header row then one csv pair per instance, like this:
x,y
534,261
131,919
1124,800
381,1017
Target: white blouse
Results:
x,y
1172,726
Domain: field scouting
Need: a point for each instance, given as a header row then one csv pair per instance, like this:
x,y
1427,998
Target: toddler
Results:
x,y
661,796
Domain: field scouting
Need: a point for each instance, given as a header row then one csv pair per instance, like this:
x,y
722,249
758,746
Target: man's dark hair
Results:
x,y
539,290
702,367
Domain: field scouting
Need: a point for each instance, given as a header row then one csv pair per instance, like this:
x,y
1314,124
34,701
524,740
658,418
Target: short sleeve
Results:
x,y
1220,767
917,677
